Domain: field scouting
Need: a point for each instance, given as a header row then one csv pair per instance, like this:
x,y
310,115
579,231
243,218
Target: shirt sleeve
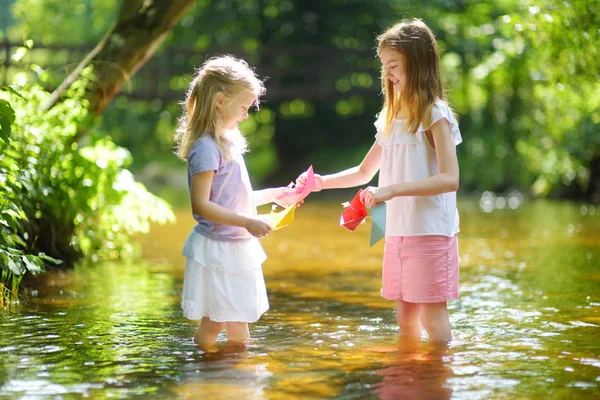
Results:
x,y
440,111
203,156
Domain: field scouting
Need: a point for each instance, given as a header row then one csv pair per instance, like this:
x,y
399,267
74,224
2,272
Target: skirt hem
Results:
x,y
416,299
192,312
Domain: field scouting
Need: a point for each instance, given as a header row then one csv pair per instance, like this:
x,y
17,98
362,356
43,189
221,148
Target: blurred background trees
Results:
x,y
521,75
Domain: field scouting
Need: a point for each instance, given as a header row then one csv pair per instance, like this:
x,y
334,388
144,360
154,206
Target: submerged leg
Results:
x,y
237,335
237,331
408,318
206,335
435,320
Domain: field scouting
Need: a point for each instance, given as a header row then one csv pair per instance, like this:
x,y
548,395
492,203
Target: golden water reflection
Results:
x,y
526,324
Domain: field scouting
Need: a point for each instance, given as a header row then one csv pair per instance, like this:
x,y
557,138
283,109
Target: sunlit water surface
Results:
x,y
526,324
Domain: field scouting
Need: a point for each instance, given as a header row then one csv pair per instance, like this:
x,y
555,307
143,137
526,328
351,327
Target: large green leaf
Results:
x,y
7,118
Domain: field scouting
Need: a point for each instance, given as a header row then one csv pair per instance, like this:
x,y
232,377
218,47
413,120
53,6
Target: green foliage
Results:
x,y
46,22
7,117
14,260
61,200
559,45
522,76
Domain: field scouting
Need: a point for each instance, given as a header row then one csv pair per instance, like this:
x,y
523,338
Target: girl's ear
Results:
x,y
219,100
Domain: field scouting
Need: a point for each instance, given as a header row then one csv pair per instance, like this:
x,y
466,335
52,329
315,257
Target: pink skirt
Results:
x,y
420,269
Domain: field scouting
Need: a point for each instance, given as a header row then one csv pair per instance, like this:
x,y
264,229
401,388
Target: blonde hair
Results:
x,y
224,75
423,87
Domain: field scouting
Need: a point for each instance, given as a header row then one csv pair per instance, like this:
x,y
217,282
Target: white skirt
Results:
x,y
223,280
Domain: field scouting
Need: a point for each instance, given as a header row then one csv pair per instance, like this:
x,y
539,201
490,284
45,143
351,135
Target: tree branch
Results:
x,y
139,31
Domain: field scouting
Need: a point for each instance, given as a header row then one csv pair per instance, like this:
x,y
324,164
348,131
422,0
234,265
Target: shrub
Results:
x,y
61,201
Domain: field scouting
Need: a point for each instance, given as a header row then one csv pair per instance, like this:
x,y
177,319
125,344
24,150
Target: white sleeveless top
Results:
x,y
409,157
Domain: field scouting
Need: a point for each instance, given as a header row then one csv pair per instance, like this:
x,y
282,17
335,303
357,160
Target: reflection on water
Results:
x,y
416,370
526,324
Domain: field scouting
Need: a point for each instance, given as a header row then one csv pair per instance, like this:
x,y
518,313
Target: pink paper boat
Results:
x,y
300,192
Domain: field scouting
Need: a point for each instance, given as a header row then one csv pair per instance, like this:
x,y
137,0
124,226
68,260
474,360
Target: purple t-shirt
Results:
x,y
231,188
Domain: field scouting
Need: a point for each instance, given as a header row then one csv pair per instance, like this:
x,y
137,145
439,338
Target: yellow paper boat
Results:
x,y
280,219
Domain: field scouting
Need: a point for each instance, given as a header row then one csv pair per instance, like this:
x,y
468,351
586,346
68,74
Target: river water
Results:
x,y
527,324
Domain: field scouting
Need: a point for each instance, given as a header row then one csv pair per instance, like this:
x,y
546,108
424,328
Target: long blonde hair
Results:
x,y
423,84
224,75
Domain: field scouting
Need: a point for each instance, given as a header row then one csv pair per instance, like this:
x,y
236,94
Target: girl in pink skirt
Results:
x,y
415,154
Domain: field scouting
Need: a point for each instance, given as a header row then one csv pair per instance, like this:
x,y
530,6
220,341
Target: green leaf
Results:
x,y
12,90
14,268
7,117
33,266
44,257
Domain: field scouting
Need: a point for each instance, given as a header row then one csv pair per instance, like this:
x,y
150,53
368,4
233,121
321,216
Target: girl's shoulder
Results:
x,y
205,140
205,143
398,134
204,146
441,110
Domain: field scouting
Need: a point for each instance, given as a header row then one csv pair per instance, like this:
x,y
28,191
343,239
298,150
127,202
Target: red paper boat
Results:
x,y
354,213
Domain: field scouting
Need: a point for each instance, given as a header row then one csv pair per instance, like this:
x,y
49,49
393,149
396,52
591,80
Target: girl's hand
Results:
x,y
301,181
280,192
258,227
373,195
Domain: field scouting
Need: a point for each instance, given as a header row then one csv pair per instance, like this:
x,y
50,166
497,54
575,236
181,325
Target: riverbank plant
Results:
x,y
62,201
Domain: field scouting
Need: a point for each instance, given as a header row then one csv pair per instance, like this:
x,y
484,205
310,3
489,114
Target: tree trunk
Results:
x,y
140,29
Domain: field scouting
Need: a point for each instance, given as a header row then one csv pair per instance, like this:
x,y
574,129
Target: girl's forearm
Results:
x,y
220,215
264,196
437,184
346,179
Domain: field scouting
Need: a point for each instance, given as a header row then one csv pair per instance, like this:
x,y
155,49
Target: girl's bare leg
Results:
x,y
237,331
435,320
206,335
408,318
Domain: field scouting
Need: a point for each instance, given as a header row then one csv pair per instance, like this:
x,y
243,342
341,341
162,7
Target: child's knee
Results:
x,y
211,326
407,320
407,312
237,330
430,324
434,318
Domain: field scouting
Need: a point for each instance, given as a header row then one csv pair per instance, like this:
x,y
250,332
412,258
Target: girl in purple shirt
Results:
x,y
223,282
